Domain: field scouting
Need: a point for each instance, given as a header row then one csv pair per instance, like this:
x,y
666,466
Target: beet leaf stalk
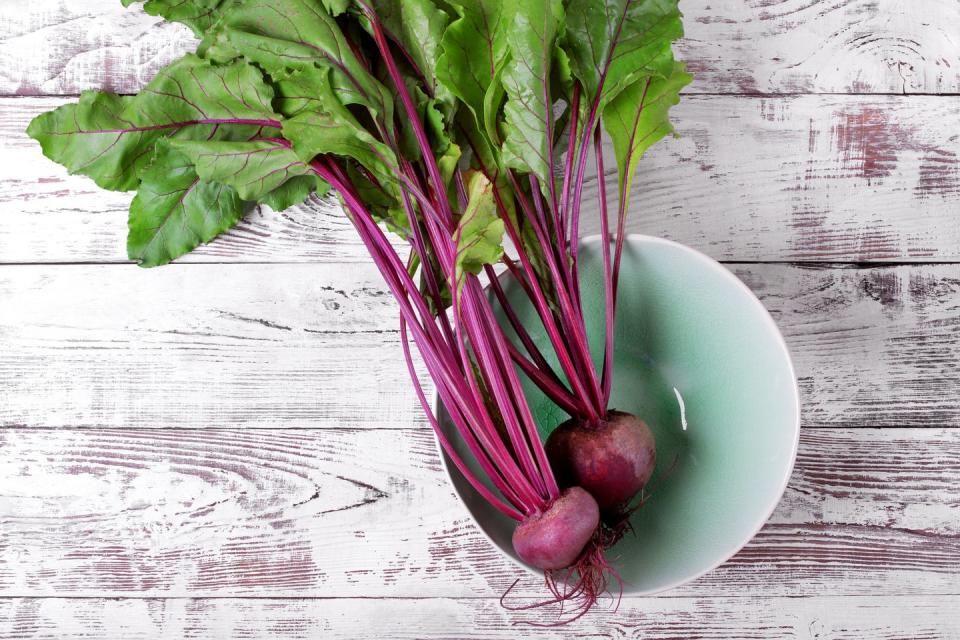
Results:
x,y
435,120
546,79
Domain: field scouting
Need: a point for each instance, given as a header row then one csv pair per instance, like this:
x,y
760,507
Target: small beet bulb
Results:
x,y
612,460
555,538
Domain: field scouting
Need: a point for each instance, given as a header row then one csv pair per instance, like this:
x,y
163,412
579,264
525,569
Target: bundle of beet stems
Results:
x,y
459,126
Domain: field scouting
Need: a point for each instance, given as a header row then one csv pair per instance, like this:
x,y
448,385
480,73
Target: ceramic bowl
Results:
x,y
699,358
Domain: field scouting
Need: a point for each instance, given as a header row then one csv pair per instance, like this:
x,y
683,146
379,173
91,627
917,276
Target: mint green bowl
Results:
x,y
686,328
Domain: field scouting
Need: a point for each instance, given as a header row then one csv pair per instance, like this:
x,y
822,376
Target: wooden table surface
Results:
x,y
229,447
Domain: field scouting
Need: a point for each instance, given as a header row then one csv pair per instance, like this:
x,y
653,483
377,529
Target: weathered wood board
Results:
x,y
229,448
840,46
369,513
52,47
802,178
301,345
853,618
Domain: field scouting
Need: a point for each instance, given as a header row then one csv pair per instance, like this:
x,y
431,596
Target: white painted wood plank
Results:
x,y
842,46
781,46
809,178
274,346
53,47
369,513
201,346
814,178
287,513
872,347
826,618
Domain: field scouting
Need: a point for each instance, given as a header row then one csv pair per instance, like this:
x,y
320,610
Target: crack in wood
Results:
x,y
260,321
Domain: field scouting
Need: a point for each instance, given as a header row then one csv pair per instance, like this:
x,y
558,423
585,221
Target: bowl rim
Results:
x,y
785,351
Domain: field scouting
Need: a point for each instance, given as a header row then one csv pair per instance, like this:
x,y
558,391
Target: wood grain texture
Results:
x,y
840,46
369,513
201,346
813,618
871,346
269,474
52,47
814,178
300,345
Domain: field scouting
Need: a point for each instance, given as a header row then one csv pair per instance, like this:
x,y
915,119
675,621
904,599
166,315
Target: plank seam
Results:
x,y
468,598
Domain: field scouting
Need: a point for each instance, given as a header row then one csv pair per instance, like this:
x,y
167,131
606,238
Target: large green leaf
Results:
x,y
612,43
480,231
472,49
639,117
300,90
473,52
294,192
110,138
93,137
296,35
419,26
175,211
199,15
528,110
322,125
321,132
328,127
254,168
193,90
318,122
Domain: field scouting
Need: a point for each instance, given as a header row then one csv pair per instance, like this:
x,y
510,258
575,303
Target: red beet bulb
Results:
x,y
611,460
555,538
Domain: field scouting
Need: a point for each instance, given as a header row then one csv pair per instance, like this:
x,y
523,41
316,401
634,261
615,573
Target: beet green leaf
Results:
x,y
199,15
293,192
526,77
175,211
418,27
480,232
639,117
111,138
612,43
473,52
297,35
254,168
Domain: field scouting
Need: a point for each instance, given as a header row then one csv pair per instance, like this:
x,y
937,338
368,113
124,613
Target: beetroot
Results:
x,y
612,460
555,538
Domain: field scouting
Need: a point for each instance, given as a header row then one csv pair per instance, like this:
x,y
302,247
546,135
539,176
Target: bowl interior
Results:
x,y
684,323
